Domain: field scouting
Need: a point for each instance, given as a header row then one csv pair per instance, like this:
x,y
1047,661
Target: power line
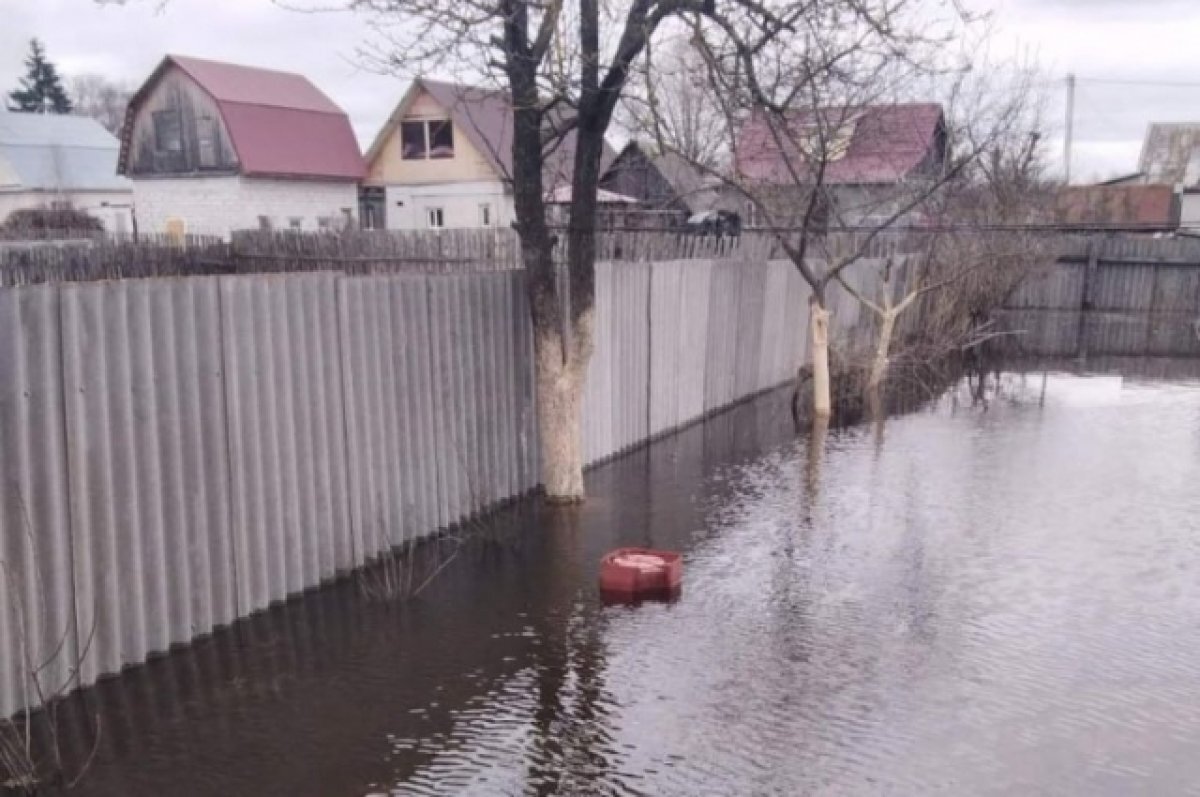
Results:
x,y
1174,84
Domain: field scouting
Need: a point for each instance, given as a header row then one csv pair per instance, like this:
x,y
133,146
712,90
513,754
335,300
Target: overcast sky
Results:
x,y
1142,41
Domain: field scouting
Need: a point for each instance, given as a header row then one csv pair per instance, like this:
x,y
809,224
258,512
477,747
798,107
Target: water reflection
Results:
x,y
989,599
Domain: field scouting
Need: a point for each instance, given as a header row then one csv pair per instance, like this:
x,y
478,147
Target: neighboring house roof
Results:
x,y
562,196
1135,205
52,152
485,116
1133,178
279,123
1171,154
888,143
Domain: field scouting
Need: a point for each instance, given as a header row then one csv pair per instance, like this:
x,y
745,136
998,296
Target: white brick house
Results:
x,y
214,147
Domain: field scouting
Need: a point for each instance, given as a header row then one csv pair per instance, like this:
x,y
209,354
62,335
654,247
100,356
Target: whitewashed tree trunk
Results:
x,y
883,346
560,410
819,337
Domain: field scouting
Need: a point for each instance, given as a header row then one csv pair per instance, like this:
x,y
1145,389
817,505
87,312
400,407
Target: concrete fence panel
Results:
x,y
36,593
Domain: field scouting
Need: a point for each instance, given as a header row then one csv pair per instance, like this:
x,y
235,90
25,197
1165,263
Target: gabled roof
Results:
x,y
279,123
887,143
485,117
689,184
1171,154
52,152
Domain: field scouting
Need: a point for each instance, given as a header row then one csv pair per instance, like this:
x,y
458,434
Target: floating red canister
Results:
x,y
636,574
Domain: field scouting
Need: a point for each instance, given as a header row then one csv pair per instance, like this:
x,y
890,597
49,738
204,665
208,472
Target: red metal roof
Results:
x,y
888,143
280,124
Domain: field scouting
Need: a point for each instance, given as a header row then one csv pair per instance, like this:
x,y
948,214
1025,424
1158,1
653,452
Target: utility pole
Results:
x,y
1070,128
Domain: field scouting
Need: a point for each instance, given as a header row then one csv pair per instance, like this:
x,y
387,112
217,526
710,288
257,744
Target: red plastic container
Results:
x,y
629,575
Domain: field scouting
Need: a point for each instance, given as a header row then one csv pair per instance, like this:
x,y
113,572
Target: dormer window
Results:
x,y
168,131
430,139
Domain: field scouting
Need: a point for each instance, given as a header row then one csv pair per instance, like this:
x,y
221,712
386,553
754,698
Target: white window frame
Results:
x,y
435,213
486,217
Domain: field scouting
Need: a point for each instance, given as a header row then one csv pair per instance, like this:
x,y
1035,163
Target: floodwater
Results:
x,y
988,598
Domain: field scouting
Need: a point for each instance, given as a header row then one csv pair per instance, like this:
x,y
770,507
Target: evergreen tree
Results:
x,y
41,89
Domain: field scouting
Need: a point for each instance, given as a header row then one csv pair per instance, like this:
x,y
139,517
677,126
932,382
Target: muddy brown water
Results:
x,y
999,599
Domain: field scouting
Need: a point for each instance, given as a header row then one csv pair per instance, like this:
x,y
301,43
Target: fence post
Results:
x,y
1088,299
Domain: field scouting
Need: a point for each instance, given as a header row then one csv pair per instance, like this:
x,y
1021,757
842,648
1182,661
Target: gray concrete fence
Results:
x,y
176,453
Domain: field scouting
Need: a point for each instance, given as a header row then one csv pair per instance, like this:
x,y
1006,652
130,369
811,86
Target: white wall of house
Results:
x,y
112,208
220,205
410,207
1189,210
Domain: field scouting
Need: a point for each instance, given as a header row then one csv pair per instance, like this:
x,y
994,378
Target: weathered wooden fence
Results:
x,y
1111,297
179,452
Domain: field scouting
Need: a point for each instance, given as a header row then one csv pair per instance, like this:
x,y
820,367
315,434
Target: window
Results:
x,y
206,140
435,219
296,222
325,223
168,131
427,139
441,139
264,222
485,215
412,140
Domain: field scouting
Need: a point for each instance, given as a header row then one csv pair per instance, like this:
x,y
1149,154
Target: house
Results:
x,y
874,156
443,159
1171,155
1121,204
53,161
213,147
669,188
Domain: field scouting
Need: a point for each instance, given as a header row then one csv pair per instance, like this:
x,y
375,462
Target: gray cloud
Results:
x,y
1138,40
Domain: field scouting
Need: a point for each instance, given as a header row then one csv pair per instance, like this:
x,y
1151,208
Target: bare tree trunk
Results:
x,y
883,346
560,404
819,336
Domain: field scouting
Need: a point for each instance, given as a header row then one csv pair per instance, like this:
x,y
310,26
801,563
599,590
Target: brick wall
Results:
x,y
218,205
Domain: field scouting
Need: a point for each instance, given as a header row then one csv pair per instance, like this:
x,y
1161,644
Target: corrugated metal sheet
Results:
x,y
287,442
36,599
148,463
666,344
225,443
1057,288
695,287
56,152
722,336
598,440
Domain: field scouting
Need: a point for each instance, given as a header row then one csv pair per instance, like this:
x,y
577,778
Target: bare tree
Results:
x,y
669,103
995,131
563,67
100,98
794,102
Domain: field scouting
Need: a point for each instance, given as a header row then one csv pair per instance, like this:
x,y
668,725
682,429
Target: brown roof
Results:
x,y
485,116
888,143
279,123
1148,205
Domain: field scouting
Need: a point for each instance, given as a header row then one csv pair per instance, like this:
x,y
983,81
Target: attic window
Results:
x,y
168,131
441,139
427,139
